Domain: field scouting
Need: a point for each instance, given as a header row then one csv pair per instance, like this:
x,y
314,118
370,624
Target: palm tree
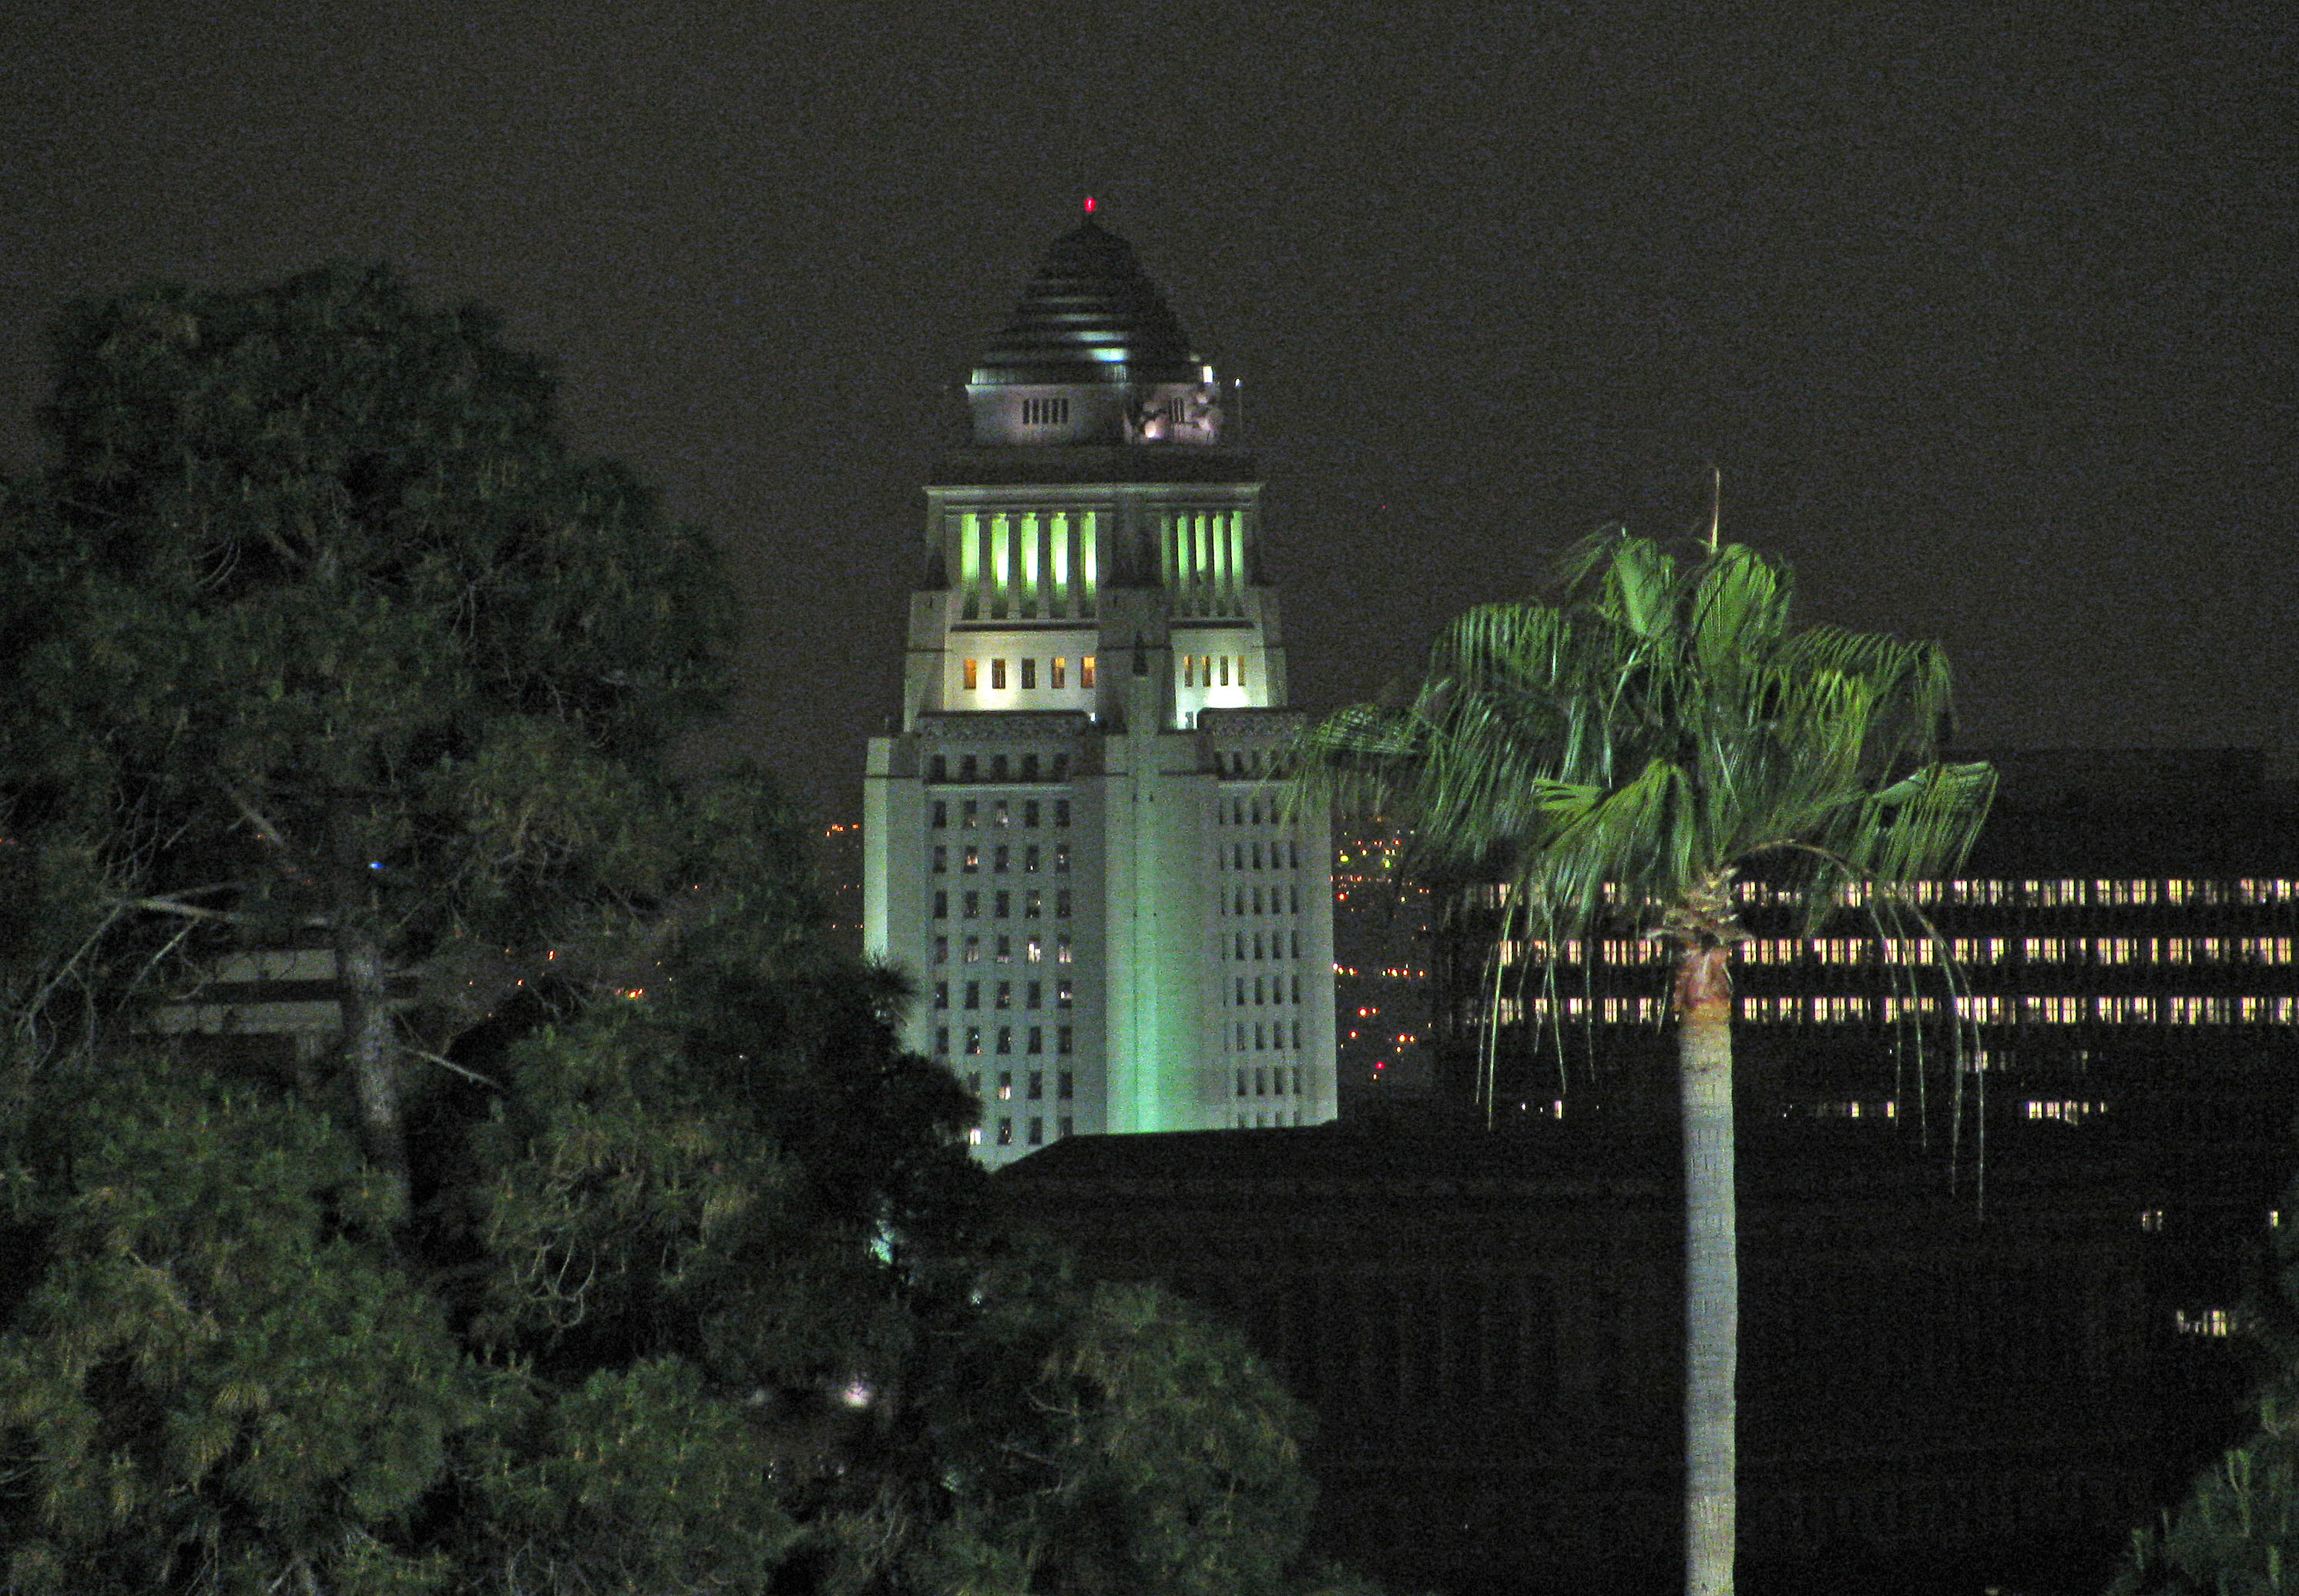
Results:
x,y
1629,753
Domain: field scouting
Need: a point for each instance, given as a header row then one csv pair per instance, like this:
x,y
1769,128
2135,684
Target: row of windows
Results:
x,y
1002,812
1278,854
1276,988
1198,669
1239,812
1246,1121
1001,994
1267,1082
1982,893
1034,1085
970,1040
1045,412
1923,950
1276,899
1058,673
1002,859
1264,1035
1003,905
1002,949
1002,767
1036,1131
2004,1009
1275,941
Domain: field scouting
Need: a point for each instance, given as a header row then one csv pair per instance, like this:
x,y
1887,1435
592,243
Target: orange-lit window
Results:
x,y
973,676
1189,670
1061,676
1085,671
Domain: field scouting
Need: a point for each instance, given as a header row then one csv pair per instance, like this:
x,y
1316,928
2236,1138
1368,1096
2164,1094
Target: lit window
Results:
x,y
974,950
1005,1084
1085,671
973,670
1061,950
1189,670
1241,670
973,1040
1062,994
969,813
1061,857
1029,674
1225,670
973,1135
1061,672
1033,950
1004,1133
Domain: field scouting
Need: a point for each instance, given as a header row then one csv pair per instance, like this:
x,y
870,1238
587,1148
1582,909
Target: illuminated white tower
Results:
x,y
1076,845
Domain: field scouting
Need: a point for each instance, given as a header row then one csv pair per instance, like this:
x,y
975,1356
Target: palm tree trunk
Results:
x,y
1711,1273
369,1051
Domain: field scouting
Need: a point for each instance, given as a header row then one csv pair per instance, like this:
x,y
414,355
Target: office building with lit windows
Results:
x,y
1076,844
2120,944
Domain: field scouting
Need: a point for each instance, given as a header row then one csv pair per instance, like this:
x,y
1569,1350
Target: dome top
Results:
x,y
1090,316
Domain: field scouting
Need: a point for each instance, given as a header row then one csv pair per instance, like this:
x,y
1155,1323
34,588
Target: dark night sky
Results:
x,y
1985,312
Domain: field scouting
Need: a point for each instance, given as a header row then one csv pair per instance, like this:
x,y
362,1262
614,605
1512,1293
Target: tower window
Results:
x,y
1004,1133
1085,671
973,1040
971,862
1225,670
1029,860
998,675
1005,995
1189,670
1062,904
1030,813
1061,950
1000,859
941,861
938,770
970,812
1037,1130
1029,674
1005,1038
942,950
973,994
1060,672
1037,1040
1005,1086
942,1039
1005,902
1065,1040
1062,772
942,994
941,820
1061,806
1036,995
1033,950
972,670
1061,857
1029,761
1032,904
1065,1084
1062,994
972,905
1062,1125
1005,950
970,769
941,905
1037,1085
